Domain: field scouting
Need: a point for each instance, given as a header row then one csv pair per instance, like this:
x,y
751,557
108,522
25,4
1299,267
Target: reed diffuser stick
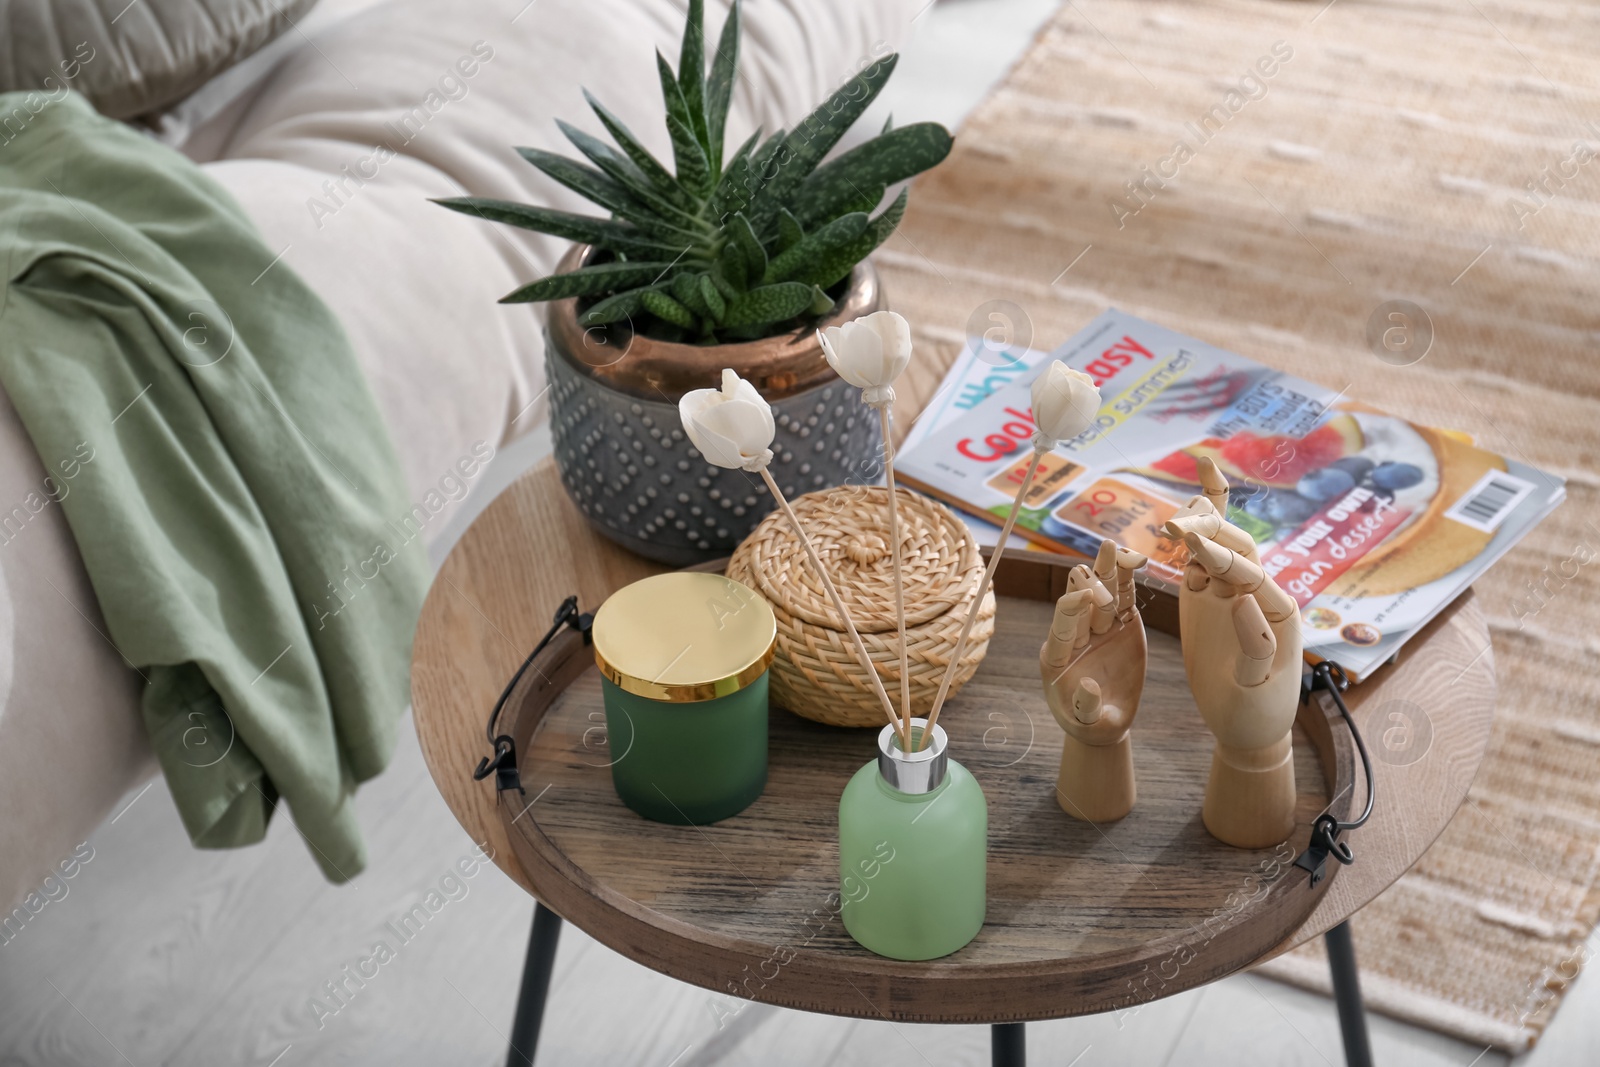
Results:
x,y
838,605
977,601
1065,404
899,582
870,353
733,427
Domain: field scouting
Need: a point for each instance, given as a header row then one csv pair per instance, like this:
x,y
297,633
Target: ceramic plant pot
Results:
x,y
623,455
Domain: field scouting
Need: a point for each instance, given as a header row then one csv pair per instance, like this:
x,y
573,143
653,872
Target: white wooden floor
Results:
x,y
159,954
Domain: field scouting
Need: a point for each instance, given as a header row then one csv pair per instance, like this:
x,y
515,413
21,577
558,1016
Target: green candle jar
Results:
x,y
683,659
913,850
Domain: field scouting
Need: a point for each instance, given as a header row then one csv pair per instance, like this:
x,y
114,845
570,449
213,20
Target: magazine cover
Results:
x,y
979,371
1370,522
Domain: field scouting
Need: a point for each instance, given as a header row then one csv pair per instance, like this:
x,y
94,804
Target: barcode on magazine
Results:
x,y
1486,505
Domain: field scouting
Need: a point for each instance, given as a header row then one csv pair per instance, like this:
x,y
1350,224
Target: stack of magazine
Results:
x,y
1373,524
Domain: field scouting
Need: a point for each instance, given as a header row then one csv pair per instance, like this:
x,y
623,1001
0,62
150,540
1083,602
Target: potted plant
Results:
x,y
728,260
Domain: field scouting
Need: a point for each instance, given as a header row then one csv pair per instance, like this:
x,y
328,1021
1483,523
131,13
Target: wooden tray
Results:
x,y
1081,918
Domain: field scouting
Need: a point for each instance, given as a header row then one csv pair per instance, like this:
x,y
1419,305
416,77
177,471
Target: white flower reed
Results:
x,y
733,428
870,353
1065,404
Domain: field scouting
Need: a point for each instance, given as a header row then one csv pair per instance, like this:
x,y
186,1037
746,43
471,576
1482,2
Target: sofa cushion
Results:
x,y
132,57
414,286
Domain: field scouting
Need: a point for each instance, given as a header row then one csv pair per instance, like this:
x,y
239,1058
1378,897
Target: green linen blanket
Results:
x,y
231,479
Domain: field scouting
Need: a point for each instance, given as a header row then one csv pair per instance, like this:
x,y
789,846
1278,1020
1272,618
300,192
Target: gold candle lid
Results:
x,y
684,636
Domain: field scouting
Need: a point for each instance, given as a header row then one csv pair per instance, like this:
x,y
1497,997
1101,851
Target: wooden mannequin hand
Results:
x,y
1242,654
1241,632
1093,661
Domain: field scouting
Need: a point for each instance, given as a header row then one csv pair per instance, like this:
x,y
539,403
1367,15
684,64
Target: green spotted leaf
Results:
x,y
821,303
720,282
731,265
790,231
602,190
615,308
806,145
692,72
834,266
750,250
806,256
865,199
667,309
604,233
622,170
719,87
768,304
659,176
686,291
736,187
588,281
882,161
689,158
764,163
711,296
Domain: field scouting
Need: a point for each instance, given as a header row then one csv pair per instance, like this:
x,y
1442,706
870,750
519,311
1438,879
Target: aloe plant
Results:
x,y
720,248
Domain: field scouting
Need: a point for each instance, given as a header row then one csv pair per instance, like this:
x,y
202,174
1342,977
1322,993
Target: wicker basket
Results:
x,y
816,672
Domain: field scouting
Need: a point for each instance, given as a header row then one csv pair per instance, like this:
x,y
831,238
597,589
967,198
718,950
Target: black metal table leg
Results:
x,y
536,968
1347,995
1008,1044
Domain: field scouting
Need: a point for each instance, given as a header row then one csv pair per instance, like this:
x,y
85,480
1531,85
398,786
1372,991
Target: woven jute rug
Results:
x,y
1266,176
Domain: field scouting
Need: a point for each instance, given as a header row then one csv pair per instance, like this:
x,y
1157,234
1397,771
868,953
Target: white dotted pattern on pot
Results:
x,y
628,466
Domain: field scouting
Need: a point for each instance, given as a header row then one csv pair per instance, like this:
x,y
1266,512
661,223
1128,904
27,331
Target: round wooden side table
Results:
x,y
1167,918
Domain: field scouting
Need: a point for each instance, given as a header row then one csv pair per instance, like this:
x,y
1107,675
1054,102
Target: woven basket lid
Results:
x,y
849,528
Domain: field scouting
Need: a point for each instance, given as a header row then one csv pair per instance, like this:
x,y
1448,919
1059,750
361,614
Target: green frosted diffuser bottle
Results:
x,y
683,661
913,850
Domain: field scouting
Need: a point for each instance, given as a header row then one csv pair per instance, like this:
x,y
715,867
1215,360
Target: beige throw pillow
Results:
x,y
132,57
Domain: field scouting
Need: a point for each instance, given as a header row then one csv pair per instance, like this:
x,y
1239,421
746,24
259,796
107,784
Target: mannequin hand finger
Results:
x,y
1068,612
1276,605
1213,483
1243,574
1128,561
1105,563
1069,630
1101,581
1217,561
1085,621
1257,645
1289,635
1057,649
1086,702
1200,517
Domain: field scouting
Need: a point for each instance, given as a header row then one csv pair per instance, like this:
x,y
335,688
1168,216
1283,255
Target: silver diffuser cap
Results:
x,y
913,772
